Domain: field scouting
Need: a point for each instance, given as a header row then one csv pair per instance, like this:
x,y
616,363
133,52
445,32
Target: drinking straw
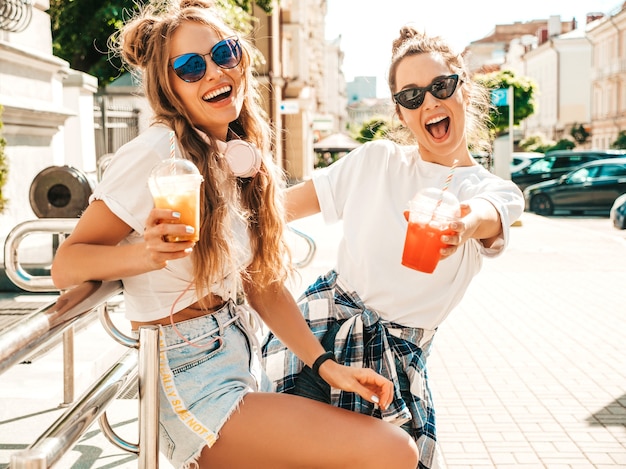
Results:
x,y
172,153
172,143
446,184
450,174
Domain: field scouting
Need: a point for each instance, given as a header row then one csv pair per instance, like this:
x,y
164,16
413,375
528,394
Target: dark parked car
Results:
x,y
593,186
556,163
618,212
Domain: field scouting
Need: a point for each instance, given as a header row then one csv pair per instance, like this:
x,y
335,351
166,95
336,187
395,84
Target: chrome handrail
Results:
x,y
22,338
149,407
14,270
42,283
311,245
65,432
26,336
141,361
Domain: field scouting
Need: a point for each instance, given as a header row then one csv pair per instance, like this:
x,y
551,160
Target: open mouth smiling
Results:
x,y
218,94
438,126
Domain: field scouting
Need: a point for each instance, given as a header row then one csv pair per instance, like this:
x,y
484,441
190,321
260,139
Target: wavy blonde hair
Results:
x,y
143,44
412,42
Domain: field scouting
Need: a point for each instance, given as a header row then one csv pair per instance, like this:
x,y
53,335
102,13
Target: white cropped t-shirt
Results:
x,y
369,189
124,189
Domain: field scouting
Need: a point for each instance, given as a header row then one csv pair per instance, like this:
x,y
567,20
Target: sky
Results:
x,y
368,27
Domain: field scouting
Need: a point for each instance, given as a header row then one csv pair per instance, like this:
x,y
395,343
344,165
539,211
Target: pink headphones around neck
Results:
x,y
244,158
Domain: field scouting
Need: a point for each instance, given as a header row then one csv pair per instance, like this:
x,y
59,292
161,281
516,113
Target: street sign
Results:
x,y
499,97
290,106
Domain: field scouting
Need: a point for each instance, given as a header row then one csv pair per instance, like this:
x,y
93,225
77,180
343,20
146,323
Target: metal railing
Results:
x,y
139,363
311,248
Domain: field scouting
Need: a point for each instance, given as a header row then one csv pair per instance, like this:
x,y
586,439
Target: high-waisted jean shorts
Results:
x,y
202,384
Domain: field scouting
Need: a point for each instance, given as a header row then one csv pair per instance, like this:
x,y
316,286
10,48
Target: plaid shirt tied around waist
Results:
x,y
396,352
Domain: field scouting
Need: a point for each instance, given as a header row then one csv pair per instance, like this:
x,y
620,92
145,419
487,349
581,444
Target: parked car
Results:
x,y
618,213
556,163
593,186
521,159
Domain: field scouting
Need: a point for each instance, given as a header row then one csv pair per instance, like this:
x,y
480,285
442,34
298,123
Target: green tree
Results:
x,y
620,141
579,133
563,144
523,97
81,30
537,143
372,129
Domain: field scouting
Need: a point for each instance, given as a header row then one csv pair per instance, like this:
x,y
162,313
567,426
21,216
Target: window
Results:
x,y
581,175
543,165
613,171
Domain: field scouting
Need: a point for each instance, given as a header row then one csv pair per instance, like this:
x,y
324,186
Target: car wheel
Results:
x,y
541,204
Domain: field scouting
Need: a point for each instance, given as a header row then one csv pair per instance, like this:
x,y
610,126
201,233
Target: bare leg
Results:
x,y
277,431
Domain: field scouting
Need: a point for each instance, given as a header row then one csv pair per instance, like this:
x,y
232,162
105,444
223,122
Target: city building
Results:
x,y
608,78
560,66
366,109
490,52
361,88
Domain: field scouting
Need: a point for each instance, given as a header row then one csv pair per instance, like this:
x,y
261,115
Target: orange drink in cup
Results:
x,y
430,213
175,185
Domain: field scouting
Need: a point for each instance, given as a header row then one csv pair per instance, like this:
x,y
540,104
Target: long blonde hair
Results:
x,y
412,42
143,44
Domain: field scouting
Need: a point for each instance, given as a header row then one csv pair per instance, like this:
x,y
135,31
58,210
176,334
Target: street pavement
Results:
x,y
529,371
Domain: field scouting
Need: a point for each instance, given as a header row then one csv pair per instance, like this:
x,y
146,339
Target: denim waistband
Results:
x,y
216,323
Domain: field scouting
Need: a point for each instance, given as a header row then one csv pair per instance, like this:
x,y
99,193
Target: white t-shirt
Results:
x,y
369,190
124,189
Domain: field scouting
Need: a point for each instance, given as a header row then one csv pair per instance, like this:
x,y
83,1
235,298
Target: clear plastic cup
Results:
x,y
175,185
430,213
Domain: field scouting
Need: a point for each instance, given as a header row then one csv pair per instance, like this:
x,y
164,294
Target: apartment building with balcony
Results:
x,y
608,78
561,68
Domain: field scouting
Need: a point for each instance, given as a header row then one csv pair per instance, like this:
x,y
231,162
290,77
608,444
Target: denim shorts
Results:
x,y
202,385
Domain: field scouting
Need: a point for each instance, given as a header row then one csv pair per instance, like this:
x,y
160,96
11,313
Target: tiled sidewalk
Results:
x,y
530,370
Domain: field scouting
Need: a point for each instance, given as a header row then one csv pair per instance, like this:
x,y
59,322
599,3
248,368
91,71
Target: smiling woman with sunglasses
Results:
x,y
216,405
370,310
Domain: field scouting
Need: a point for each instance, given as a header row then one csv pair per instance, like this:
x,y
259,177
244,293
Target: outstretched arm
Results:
x,y
301,201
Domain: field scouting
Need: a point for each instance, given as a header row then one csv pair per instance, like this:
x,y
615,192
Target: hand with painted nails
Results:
x,y
363,381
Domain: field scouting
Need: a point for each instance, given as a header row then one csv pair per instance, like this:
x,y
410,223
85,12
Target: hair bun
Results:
x,y
406,33
196,4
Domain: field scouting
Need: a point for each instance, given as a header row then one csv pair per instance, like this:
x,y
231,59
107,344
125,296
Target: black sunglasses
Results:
x,y
192,67
440,87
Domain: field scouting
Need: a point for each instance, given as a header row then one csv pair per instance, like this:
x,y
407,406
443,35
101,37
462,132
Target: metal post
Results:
x,y
29,460
68,366
148,378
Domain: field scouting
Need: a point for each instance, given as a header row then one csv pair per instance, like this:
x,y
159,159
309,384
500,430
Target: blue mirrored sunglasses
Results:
x,y
192,67
440,87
